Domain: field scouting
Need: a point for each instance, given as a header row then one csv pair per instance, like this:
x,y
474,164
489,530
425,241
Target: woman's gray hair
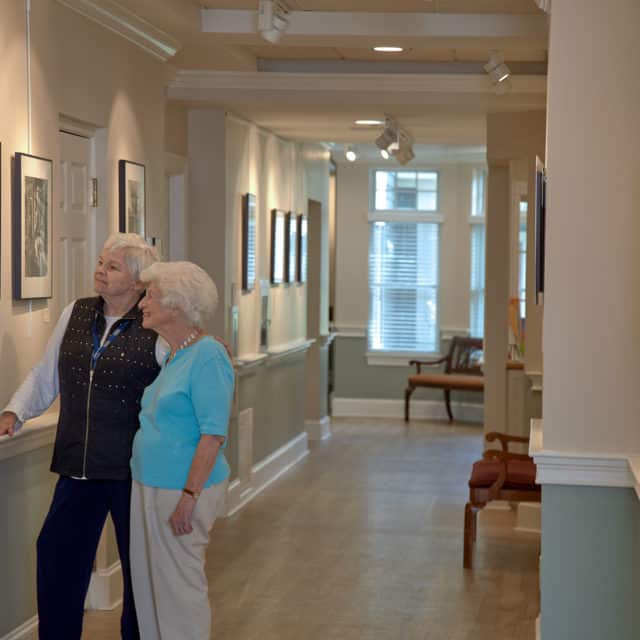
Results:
x,y
183,286
137,253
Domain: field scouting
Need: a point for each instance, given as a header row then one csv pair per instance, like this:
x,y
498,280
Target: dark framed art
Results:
x,y
248,242
540,228
277,246
131,197
302,248
291,250
32,243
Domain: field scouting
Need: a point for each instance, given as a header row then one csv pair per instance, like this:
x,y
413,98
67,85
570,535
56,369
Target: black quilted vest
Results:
x,y
99,419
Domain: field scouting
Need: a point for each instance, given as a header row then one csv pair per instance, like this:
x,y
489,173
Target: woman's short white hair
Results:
x,y
137,253
183,286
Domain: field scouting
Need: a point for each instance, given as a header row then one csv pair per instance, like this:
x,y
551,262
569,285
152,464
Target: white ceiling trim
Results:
x,y
357,24
116,18
194,84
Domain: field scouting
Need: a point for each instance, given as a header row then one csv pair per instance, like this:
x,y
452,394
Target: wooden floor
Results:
x,y
363,540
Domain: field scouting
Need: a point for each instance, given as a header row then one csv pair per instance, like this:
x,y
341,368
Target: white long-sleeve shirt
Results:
x,y
41,386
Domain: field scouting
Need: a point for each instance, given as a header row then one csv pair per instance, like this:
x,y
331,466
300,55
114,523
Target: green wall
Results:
x,y
590,562
354,378
26,486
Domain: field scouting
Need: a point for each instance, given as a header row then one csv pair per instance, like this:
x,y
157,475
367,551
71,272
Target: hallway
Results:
x,y
363,539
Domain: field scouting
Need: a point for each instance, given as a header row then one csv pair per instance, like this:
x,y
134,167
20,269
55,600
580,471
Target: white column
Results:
x,y
592,300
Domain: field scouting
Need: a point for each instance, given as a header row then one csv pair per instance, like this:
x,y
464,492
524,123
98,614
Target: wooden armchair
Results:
x,y
500,475
461,372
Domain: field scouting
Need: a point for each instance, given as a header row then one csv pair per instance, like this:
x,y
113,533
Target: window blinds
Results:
x,y
403,286
476,305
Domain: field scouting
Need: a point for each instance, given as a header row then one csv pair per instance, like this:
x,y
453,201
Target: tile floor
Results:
x,y
363,540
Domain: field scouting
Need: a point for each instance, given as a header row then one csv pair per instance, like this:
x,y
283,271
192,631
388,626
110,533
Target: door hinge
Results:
x,y
93,192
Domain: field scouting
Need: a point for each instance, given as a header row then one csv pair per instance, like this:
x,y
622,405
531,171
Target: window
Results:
x,y
522,258
405,191
403,286
478,236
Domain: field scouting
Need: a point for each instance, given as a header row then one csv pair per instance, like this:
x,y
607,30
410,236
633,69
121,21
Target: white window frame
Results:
x,y
401,358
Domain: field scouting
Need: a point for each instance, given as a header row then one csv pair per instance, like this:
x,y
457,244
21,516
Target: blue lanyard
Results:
x,y
98,348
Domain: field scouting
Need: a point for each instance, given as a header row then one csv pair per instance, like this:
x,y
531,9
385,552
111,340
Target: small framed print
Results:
x,y
32,243
302,248
291,250
248,242
277,246
131,197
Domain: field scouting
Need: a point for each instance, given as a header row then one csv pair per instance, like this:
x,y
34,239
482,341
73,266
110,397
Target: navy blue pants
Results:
x,y
66,550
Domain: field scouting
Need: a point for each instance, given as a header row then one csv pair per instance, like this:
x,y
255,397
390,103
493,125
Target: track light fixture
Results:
x,y
394,141
496,68
404,152
389,134
350,154
273,19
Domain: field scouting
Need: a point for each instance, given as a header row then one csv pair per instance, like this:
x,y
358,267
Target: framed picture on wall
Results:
x,y
131,197
277,246
248,242
291,248
32,244
302,248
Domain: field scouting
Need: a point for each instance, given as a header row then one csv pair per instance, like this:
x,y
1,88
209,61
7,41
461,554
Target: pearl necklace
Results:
x,y
191,338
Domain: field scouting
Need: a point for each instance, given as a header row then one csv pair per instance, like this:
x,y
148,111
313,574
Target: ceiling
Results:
x,y
323,73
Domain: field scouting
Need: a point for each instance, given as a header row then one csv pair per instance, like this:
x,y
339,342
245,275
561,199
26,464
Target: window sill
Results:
x,y
397,359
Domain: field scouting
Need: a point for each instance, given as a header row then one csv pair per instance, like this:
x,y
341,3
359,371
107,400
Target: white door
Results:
x,y
75,220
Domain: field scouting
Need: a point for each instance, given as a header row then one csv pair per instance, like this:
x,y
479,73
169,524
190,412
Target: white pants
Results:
x,y
167,571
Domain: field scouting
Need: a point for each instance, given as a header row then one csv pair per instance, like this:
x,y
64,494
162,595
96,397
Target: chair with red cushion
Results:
x,y
500,475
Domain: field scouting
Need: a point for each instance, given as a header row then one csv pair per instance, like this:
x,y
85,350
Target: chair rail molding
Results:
x,y
35,434
579,468
125,23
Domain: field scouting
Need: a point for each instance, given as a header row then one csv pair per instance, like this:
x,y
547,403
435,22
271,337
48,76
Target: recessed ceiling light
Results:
x,y
369,123
388,49
384,153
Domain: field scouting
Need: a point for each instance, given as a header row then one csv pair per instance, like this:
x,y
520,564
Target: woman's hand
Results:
x,y
8,421
180,519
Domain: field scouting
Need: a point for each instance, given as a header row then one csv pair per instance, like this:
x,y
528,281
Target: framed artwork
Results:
x,y
277,246
302,248
291,250
248,242
131,197
32,243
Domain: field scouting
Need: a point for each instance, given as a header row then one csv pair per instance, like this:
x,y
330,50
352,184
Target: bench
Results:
x,y
461,372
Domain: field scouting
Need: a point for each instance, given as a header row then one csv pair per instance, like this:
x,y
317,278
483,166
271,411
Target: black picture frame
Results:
x,y
540,228
278,255
132,197
248,242
291,248
302,262
32,227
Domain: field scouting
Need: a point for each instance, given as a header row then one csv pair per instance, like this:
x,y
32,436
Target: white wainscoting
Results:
x,y
105,588
266,472
420,409
26,631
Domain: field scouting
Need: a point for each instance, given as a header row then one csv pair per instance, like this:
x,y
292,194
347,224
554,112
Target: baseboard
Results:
x,y
26,631
318,429
105,588
528,518
266,472
390,408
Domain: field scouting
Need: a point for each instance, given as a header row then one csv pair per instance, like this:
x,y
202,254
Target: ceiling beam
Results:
x,y
313,27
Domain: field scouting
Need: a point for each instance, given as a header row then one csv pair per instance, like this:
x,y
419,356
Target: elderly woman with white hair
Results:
x,y
179,471
99,359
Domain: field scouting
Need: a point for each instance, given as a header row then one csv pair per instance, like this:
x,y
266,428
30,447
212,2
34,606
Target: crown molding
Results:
x,y
206,84
125,23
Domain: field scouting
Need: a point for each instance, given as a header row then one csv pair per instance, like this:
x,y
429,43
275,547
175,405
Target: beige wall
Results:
x,y
352,243
282,175
592,302
85,72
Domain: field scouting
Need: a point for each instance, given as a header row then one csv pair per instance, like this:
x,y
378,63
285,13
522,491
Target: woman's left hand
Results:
x,y
180,519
